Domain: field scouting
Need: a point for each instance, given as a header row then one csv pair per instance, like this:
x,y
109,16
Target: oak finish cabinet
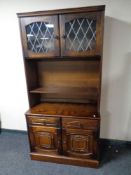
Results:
x,y
62,52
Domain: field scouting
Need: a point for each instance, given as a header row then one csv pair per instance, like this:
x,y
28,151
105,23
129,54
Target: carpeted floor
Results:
x,y
15,160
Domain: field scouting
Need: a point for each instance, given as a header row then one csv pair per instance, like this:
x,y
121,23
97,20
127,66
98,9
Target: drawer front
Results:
x,y
80,123
44,121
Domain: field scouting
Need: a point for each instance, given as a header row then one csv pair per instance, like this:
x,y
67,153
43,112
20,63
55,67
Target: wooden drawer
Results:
x,y
80,123
44,121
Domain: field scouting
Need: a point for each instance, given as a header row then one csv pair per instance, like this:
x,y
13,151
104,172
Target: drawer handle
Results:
x,y
44,123
50,124
37,123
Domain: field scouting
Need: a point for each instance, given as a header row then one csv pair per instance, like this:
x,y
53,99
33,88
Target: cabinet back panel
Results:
x,y
69,74
69,78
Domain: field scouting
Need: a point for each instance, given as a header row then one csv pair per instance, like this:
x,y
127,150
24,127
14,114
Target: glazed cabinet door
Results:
x,y
40,36
45,139
79,143
81,34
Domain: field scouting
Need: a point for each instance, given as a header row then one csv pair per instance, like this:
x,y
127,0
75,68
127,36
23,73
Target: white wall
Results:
x,y
116,84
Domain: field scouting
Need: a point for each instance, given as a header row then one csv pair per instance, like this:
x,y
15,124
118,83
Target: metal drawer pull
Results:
x,y
37,123
44,123
50,124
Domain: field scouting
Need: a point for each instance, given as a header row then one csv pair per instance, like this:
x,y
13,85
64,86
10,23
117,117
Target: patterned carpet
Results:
x,y
15,160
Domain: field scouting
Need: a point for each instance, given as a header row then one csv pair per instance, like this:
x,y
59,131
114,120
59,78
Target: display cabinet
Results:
x,y
62,52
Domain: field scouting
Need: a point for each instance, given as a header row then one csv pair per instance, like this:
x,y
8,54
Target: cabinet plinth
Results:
x,y
62,52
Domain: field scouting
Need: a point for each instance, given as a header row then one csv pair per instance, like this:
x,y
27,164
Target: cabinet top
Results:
x,y
63,11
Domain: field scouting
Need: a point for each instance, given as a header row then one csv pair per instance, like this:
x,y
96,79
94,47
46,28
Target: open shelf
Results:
x,y
82,92
64,109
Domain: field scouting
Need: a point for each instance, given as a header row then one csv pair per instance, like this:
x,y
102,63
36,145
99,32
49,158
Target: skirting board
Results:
x,y
3,130
114,143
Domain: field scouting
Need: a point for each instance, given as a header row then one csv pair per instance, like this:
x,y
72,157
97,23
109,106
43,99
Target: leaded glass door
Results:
x,y
40,36
80,34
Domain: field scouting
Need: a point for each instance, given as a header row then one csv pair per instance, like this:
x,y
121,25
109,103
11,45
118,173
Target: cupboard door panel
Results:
x,y
80,34
79,143
40,36
45,139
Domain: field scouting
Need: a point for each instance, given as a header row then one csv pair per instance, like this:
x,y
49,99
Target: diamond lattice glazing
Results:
x,y
40,37
80,34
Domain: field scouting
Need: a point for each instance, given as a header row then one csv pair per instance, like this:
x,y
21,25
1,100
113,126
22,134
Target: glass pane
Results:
x,y
40,37
80,34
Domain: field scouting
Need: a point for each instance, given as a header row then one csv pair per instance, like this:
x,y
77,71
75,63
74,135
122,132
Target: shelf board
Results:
x,y
66,58
72,91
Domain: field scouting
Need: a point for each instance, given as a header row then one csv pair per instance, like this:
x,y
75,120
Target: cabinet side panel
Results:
x,y
101,49
32,81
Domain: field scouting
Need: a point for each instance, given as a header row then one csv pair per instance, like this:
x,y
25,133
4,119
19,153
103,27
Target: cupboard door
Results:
x,y
80,34
45,139
79,143
40,36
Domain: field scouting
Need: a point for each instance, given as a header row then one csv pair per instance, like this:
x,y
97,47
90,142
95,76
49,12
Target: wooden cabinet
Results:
x,y
62,52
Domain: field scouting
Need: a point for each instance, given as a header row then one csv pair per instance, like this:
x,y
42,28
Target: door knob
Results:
x,y
56,37
64,36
